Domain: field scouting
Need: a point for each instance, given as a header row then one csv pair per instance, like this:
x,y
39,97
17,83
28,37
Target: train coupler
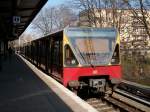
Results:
x,y
99,84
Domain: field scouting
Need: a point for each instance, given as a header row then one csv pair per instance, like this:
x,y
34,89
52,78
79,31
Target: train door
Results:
x,y
47,54
32,52
42,53
57,62
50,52
36,53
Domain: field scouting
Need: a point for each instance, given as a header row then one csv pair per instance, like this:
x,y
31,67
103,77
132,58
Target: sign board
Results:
x,y
16,19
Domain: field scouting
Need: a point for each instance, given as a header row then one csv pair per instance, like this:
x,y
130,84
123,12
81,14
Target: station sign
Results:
x,y
16,19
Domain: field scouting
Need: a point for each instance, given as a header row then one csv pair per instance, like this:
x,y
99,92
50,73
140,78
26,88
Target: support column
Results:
x,y
5,49
0,55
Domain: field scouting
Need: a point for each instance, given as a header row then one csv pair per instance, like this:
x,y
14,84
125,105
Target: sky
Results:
x,y
50,3
54,2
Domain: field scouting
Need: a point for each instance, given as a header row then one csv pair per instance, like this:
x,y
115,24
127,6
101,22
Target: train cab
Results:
x,y
91,57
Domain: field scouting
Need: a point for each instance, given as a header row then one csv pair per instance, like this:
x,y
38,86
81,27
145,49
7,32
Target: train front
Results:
x,y
91,58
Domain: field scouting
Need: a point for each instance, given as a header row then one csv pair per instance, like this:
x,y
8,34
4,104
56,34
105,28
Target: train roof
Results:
x,y
74,29
87,29
51,34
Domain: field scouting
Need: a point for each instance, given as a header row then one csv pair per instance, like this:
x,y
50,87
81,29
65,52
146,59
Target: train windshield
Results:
x,y
92,46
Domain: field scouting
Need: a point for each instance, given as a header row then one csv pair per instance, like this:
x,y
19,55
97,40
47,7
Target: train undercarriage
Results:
x,y
93,85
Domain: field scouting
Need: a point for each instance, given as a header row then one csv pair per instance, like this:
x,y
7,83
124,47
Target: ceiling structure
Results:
x,y
16,15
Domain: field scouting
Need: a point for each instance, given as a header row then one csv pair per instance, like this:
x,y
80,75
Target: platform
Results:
x,y
23,91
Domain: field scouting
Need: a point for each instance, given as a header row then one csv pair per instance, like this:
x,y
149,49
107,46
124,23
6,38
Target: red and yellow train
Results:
x,y
78,57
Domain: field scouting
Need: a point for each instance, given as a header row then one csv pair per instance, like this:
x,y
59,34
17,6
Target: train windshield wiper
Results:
x,y
85,60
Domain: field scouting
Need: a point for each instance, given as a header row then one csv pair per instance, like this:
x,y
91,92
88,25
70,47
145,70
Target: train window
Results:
x,y
56,50
93,50
56,53
115,58
70,59
92,45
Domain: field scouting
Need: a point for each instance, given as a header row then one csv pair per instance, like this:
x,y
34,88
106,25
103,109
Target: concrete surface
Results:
x,y
71,99
22,91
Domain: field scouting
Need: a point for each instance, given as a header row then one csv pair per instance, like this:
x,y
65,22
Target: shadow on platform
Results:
x,y
22,91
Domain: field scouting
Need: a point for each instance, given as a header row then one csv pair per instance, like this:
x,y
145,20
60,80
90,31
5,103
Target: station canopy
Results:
x,y
16,15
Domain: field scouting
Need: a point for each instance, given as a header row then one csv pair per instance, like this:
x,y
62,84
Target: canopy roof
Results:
x,y
16,15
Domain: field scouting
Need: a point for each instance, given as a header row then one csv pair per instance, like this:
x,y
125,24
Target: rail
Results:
x,y
126,97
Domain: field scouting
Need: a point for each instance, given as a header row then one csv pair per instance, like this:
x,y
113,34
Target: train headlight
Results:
x,y
95,71
73,61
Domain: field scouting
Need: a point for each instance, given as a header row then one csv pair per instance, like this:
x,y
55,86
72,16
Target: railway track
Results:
x,y
101,105
140,91
123,100
117,103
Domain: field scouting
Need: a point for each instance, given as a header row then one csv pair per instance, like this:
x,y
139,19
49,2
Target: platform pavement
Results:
x,y
22,91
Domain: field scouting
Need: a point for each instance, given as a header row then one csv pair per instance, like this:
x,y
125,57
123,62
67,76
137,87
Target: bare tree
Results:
x,y
44,21
141,14
97,12
53,18
114,13
140,25
63,16
90,9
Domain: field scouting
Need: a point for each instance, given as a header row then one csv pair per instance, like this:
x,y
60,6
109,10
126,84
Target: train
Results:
x,y
78,57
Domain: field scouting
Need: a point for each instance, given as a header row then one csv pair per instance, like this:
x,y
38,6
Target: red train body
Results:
x,y
69,74
78,57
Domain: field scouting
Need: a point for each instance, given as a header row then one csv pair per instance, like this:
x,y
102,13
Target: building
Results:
x,y
132,31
